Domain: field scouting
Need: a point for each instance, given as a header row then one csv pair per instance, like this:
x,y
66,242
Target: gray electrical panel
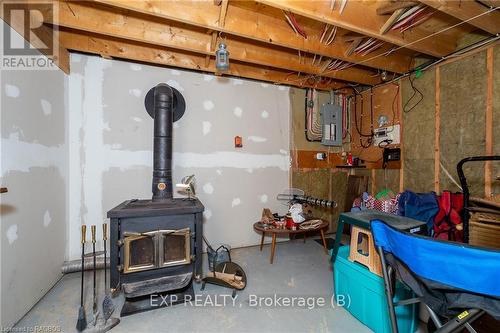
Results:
x,y
331,122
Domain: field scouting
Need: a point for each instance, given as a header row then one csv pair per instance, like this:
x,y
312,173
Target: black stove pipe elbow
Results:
x,y
162,145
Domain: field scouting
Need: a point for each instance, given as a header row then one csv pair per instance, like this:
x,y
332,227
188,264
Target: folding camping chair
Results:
x,y
453,280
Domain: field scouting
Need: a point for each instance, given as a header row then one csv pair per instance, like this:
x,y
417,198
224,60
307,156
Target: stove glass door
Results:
x,y
140,253
175,247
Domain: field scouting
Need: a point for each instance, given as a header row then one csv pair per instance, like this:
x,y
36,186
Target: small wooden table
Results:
x,y
275,231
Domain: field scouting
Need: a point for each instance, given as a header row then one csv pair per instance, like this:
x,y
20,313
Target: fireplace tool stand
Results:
x,y
224,273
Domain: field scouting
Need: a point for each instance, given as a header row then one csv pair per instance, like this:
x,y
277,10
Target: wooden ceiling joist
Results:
x,y
253,25
113,23
393,6
465,10
361,17
124,49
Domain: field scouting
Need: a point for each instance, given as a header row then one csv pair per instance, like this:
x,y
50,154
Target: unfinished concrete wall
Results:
x,y
111,138
34,169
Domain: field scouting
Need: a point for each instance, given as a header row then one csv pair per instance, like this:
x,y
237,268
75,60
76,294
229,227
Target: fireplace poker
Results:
x,y
107,304
81,323
94,305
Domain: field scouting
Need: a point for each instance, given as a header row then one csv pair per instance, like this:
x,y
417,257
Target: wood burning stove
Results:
x,y
156,244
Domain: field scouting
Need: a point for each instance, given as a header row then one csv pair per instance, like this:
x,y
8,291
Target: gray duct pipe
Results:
x,y
76,265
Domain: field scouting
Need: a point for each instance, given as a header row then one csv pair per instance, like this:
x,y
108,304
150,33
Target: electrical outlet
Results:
x,y
321,156
389,133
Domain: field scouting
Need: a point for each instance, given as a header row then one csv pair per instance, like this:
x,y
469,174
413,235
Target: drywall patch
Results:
x,y
228,159
137,119
12,234
175,85
238,112
135,67
207,214
208,105
47,219
46,107
208,188
237,82
176,125
34,155
264,85
282,88
175,72
218,171
208,78
12,90
135,92
256,138
249,170
206,127
283,151
236,202
264,114
264,198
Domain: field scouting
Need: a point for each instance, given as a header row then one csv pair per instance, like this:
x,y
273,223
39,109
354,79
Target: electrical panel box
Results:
x,y
331,122
388,135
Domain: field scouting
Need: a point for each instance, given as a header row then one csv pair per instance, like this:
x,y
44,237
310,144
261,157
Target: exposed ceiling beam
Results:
x,y
128,50
250,24
361,17
395,5
105,21
464,10
45,36
223,13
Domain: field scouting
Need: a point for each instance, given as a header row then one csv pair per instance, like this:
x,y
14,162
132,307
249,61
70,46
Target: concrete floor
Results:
x,y
298,270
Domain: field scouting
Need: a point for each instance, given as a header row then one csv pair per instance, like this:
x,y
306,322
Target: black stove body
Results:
x,y
156,244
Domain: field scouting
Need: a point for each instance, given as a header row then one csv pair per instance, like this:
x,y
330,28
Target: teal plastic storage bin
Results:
x,y
365,296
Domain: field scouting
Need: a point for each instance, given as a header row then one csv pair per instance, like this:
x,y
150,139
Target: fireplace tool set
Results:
x,y
223,272
108,307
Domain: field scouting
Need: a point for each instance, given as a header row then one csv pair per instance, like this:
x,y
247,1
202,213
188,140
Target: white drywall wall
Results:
x,y
33,163
111,144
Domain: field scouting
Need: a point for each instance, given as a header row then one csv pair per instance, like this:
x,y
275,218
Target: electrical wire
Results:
x,y
359,127
415,92
394,113
308,116
410,43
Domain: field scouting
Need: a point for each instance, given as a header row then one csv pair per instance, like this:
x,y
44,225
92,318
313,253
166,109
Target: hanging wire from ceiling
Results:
x,y
416,92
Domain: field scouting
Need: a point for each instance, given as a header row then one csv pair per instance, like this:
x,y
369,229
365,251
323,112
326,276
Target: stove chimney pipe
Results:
x,y
162,146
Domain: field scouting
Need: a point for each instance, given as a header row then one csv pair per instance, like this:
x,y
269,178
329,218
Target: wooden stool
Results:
x,y
364,252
